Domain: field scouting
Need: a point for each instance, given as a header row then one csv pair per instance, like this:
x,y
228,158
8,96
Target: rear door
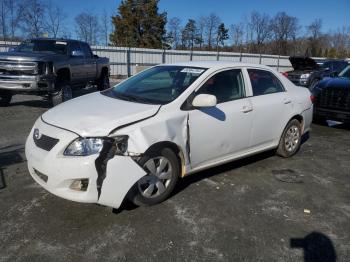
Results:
x,y
89,62
76,62
272,107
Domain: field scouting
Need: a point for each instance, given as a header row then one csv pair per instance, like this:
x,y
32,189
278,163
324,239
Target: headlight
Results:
x,y
84,147
303,76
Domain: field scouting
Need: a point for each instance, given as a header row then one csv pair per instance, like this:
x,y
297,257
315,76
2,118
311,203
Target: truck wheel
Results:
x,y
163,171
103,82
290,140
63,93
5,98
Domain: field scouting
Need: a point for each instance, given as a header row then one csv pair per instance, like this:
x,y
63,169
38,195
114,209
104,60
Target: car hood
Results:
x,y
29,56
339,82
303,63
97,115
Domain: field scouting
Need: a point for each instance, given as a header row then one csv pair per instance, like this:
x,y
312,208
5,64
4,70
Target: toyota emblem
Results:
x,y
37,134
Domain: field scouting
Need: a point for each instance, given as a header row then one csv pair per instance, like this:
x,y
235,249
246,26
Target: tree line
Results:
x,y
138,23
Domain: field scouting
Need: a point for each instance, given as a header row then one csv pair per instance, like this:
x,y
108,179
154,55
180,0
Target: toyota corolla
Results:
x,y
135,140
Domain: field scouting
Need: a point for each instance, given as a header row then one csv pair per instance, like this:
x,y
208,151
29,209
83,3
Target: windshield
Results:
x,y
157,85
345,72
334,66
58,47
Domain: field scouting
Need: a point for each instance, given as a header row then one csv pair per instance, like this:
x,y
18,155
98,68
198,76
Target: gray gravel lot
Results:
x,y
248,210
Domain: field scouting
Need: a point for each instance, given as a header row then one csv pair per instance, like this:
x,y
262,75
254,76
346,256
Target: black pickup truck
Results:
x,y
50,68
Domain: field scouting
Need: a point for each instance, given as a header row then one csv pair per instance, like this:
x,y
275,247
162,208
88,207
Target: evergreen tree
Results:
x,y
222,35
138,24
190,34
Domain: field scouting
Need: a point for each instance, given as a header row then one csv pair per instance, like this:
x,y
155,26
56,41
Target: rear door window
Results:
x,y
264,82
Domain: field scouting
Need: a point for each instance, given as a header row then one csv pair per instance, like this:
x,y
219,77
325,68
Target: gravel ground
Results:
x,y
263,208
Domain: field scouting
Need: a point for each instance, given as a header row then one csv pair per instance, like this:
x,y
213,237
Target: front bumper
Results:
x,y
331,114
27,83
60,171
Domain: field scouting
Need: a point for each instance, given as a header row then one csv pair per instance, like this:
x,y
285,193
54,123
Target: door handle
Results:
x,y
246,109
287,101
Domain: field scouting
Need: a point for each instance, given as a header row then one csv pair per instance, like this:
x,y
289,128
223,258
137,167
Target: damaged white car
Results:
x,y
135,140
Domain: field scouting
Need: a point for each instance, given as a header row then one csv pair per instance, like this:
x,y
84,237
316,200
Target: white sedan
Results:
x,y
135,140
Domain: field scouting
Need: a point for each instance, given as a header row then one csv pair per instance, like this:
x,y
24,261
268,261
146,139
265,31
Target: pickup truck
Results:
x,y
50,68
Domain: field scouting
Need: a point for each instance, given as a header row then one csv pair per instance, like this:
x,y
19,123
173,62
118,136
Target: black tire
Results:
x,y
63,93
288,145
103,82
319,120
5,98
136,194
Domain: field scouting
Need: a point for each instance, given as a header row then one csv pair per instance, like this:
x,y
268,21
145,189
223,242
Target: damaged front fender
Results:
x,y
121,174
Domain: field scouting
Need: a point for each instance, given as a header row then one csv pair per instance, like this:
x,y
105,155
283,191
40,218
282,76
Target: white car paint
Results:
x,y
240,128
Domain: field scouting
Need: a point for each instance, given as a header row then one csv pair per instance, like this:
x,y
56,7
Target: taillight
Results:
x,y
312,98
285,74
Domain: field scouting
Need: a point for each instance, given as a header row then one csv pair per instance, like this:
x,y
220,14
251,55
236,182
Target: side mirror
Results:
x,y
96,56
204,100
77,53
333,74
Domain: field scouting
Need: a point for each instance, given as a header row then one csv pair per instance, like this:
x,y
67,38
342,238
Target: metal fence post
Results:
x,y
260,59
191,55
217,56
278,63
240,57
128,65
163,57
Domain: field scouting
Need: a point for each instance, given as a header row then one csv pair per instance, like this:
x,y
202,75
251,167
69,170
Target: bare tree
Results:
x,y
105,26
174,28
284,27
87,27
15,11
54,19
314,32
33,17
237,33
211,26
260,26
201,24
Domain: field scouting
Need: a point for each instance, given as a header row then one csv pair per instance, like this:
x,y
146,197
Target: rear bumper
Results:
x,y
331,114
26,83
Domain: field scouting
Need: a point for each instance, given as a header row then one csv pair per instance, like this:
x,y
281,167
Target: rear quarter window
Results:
x,y
264,82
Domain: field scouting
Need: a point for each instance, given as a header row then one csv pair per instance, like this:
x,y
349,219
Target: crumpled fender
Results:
x,y
122,172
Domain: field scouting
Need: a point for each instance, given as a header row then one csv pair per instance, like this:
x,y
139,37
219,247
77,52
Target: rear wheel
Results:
x,y
5,97
163,171
62,94
290,139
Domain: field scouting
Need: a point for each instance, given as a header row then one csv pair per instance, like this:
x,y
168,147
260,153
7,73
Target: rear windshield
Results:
x,y
157,85
52,46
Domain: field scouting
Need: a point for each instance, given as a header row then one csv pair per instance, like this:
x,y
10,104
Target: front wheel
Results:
x,y
63,93
5,98
103,82
290,140
163,171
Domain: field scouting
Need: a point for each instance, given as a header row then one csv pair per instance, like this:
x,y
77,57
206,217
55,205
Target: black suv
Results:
x,y
332,98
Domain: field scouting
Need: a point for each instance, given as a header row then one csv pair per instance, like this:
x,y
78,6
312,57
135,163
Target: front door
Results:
x,y
221,131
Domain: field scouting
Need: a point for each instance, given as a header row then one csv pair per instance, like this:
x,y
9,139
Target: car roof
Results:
x,y
53,39
216,64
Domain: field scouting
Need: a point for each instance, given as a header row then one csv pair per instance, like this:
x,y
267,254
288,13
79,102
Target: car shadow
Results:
x,y
317,247
9,158
191,179
43,102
